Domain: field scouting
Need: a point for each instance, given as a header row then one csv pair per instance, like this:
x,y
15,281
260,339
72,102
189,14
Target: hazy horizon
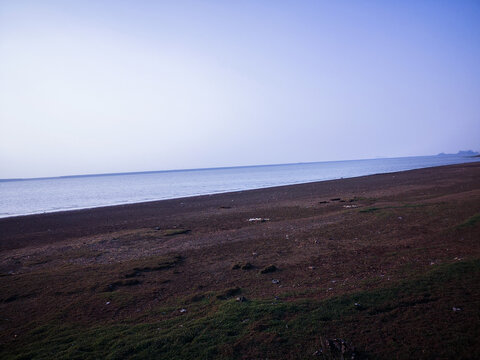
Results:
x,y
227,167
115,86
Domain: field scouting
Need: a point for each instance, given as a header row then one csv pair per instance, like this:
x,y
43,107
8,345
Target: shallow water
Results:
x,y
21,197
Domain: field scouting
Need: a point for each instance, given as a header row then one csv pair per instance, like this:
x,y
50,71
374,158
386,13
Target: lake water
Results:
x,y
21,197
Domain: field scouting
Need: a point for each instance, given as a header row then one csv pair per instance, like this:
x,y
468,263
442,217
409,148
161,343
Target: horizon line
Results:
x,y
216,167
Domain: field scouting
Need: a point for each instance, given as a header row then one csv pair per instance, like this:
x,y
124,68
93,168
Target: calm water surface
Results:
x,y
21,197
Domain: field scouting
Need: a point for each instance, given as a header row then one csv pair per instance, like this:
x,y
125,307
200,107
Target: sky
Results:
x,y
117,86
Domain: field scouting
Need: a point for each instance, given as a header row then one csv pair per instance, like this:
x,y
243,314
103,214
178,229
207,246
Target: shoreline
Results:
x,y
391,253
199,195
205,193
88,221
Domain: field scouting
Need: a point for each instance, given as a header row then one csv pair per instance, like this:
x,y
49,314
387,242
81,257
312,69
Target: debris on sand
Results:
x,y
275,281
268,269
455,309
258,219
183,310
359,306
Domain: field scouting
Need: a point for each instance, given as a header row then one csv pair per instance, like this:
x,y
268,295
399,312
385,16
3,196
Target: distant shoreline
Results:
x,y
223,167
134,202
89,220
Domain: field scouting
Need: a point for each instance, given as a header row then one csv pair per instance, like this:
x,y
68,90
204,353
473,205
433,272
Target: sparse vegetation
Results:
x,y
471,221
292,330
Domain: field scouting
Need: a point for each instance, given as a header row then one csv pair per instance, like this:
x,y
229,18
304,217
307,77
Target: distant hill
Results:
x,y
463,153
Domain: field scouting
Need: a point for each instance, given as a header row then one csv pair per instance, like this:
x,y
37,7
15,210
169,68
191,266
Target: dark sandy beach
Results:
x,y
388,265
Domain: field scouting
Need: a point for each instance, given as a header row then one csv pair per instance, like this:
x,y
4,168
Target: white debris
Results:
x,y
183,310
275,281
107,303
455,309
258,219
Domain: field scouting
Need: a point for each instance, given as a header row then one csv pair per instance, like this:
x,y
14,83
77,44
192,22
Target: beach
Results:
x,y
387,265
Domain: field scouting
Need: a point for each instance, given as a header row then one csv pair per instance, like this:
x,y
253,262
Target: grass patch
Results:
x,y
226,329
471,221
172,232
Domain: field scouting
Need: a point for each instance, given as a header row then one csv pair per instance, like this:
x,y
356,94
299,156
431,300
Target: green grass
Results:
x,y
226,329
471,221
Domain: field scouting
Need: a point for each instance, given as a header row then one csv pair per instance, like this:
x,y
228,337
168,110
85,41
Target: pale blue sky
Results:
x,y
117,86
